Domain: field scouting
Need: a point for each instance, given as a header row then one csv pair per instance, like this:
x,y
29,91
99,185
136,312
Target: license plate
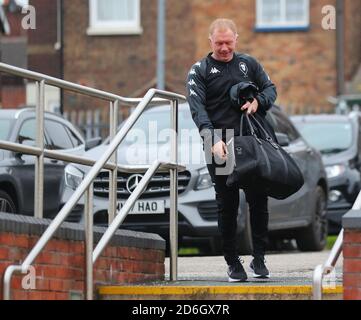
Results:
x,y
145,207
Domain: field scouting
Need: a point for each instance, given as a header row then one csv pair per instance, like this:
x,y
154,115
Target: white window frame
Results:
x,y
283,23
97,27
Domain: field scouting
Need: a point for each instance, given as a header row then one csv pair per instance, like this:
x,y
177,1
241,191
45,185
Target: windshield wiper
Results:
x,y
332,150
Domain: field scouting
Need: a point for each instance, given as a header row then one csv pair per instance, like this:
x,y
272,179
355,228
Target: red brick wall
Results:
x,y
60,267
14,19
352,37
302,64
352,265
124,64
42,56
12,96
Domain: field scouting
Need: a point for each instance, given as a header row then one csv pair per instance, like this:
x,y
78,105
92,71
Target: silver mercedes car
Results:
x,y
300,217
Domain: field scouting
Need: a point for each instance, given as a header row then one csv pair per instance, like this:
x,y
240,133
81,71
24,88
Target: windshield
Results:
x,y
333,137
153,127
5,125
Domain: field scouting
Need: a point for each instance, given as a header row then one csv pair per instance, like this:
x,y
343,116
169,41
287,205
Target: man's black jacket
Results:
x,y
208,84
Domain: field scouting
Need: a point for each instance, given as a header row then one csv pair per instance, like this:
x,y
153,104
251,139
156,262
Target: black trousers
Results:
x,y
228,206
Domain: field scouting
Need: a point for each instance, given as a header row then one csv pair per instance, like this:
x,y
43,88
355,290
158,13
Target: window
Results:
x,y
5,126
113,17
283,125
328,137
283,14
74,138
59,138
27,133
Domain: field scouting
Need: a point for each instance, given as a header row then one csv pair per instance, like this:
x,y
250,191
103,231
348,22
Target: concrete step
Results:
x,y
193,290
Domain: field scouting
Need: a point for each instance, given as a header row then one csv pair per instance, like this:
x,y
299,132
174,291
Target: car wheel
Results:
x,y
6,203
314,237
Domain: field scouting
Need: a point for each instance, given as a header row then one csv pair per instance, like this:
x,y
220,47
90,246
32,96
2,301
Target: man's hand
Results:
x,y
251,107
220,150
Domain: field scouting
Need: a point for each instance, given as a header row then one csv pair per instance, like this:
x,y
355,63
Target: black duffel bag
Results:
x,y
261,164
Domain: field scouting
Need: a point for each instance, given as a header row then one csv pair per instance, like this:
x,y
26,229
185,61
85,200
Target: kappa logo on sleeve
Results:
x,y
192,82
192,93
192,71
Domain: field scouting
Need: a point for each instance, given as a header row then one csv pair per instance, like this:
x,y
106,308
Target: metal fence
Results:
x,y
92,123
86,186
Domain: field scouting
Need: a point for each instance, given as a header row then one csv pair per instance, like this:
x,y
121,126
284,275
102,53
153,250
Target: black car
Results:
x,y
17,170
338,138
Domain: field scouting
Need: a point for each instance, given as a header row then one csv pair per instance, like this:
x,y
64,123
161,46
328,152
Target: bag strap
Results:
x,y
248,121
268,137
244,117
258,124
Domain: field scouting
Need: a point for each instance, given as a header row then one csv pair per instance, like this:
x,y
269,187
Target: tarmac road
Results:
x,y
292,268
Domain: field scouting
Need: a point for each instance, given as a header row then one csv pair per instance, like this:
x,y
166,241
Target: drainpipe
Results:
x,y
161,25
61,40
340,49
59,45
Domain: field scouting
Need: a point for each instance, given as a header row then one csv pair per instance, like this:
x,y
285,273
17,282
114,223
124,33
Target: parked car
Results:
x,y
299,217
17,169
338,138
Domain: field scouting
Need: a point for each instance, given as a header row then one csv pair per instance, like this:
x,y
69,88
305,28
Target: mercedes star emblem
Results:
x,y
133,181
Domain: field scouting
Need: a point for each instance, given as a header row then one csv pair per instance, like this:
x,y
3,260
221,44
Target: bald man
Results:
x,y
208,84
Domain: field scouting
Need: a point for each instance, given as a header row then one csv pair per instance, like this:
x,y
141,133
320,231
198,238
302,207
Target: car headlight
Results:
x,y
204,180
73,177
334,171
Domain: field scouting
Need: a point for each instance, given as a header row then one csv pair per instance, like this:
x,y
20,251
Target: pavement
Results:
x,y
204,278
289,268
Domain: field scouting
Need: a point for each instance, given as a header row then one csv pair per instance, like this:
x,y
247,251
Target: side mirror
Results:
x,y
25,142
93,142
283,139
28,142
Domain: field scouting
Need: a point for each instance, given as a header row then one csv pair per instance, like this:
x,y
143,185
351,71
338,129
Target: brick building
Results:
x,y
36,49
13,42
299,54
44,50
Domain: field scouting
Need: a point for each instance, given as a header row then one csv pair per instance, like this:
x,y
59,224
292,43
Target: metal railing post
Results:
x,y
326,268
113,174
173,223
7,280
86,186
39,160
89,241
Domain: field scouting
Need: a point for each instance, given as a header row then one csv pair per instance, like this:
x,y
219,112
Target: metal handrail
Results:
x,y
41,81
322,270
86,186
70,86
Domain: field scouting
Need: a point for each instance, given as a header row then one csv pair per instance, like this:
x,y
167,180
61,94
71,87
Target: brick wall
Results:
x,y
352,255
13,51
131,257
12,96
42,55
352,38
119,64
125,65
302,64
